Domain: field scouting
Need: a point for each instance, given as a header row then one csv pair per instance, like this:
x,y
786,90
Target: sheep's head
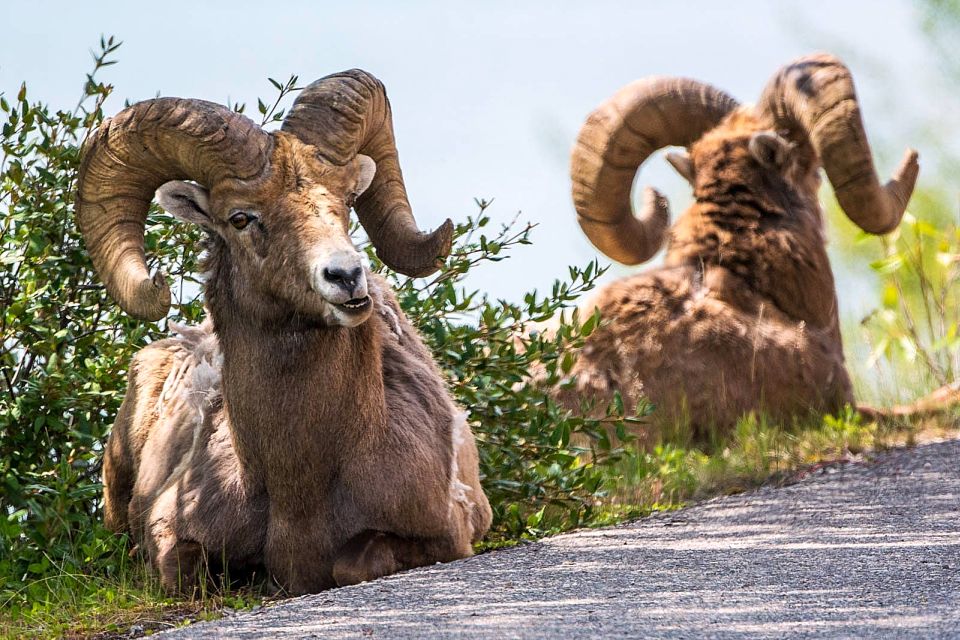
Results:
x,y
279,203
287,235
807,116
743,150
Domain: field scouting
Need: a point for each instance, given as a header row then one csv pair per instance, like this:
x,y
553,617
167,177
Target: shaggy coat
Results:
x,y
303,429
742,316
194,486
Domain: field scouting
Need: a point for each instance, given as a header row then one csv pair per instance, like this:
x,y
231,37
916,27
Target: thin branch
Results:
x,y
10,389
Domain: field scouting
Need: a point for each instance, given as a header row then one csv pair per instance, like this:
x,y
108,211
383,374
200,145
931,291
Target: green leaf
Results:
x,y
534,519
888,265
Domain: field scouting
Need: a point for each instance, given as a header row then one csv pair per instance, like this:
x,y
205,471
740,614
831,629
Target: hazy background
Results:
x,y
487,97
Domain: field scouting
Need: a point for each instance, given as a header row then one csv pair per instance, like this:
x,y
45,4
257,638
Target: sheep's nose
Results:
x,y
344,277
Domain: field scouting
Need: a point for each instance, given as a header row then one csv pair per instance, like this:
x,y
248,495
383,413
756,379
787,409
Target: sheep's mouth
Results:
x,y
356,305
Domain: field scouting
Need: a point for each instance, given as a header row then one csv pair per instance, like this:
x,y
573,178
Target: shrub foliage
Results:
x,y
66,346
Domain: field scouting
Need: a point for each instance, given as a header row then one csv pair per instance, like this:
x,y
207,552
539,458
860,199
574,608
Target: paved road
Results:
x,y
862,550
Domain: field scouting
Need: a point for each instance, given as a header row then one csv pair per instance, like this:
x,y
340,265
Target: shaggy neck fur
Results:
x,y
316,395
763,227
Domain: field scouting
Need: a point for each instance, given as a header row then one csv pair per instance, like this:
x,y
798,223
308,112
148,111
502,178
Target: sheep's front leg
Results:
x,y
177,561
373,554
367,556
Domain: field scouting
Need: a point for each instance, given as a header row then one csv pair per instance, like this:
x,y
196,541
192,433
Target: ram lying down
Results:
x,y
742,316
303,428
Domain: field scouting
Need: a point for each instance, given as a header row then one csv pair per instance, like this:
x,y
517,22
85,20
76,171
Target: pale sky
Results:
x,y
487,96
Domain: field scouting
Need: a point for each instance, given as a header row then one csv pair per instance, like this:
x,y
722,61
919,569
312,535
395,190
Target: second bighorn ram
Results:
x,y
742,315
304,427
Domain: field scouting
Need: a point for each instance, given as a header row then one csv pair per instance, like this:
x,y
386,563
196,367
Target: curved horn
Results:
x,y
815,95
348,113
128,158
617,137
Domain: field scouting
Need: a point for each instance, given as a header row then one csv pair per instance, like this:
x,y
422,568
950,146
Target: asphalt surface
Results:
x,y
866,550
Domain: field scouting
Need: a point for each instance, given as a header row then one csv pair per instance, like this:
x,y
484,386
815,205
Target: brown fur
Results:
x,y
742,316
329,453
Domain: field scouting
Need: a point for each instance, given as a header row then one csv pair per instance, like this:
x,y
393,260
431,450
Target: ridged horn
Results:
x,y
814,95
616,138
348,113
128,158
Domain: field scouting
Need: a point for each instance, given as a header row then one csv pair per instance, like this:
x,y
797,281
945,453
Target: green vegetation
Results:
x,y
915,270
916,327
496,361
65,349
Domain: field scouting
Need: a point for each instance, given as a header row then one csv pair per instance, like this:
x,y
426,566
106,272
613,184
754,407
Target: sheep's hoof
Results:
x,y
366,556
179,567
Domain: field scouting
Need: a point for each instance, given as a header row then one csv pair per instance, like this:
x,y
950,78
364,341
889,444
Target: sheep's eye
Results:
x,y
240,219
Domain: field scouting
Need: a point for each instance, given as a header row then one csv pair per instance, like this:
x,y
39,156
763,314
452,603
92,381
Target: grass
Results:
x,y
757,452
127,604
670,474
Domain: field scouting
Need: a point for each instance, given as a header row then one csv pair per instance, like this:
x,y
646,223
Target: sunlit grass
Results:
x,y
678,469
129,602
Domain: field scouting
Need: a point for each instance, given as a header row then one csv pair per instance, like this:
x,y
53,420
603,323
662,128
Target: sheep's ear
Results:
x,y
368,168
186,201
769,149
683,164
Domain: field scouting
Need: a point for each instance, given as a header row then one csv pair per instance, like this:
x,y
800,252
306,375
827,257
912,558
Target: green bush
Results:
x,y
64,351
66,347
536,479
917,326
914,332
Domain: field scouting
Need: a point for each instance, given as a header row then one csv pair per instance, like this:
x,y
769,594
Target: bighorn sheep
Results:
x,y
742,315
303,427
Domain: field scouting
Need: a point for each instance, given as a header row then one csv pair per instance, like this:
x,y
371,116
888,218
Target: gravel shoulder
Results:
x,y
860,550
